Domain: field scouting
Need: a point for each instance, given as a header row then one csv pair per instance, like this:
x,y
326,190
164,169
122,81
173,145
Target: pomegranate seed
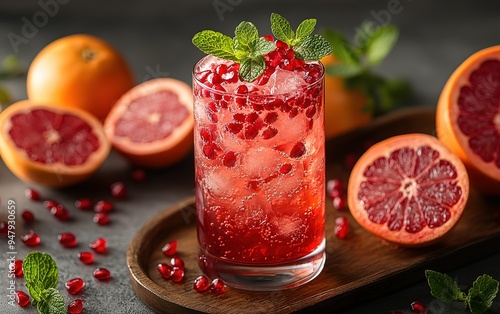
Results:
x,y
118,190
86,257
170,248
281,44
334,185
268,133
76,307
217,286
339,203
214,78
32,194
298,150
271,117
4,228
102,274
103,207
84,204
341,227
31,239
49,204
28,216
60,212
165,270
234,128
22,298
74,285
101,219
18,268
99,245
285,168
177,262
210,150
177,274
201,284
138,175
418,307
251,132
67,239
269,38
229,159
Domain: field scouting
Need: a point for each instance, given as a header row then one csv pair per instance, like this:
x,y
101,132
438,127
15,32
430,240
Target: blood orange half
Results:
x,y
408,189
468,117
152,124
51,146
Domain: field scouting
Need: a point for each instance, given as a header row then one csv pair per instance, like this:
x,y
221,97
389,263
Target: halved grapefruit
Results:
x,y
49,145
152,124
468,117
408,189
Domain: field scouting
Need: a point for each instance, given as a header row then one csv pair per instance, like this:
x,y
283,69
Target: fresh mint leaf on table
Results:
x,y
248,48
357,60
42,276
479,298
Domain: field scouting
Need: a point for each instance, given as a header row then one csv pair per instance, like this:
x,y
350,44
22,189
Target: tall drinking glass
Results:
x,y
260,174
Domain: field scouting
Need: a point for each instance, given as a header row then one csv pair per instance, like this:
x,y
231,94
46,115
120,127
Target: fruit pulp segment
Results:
x,y
260,173
410,189
479,117
49,137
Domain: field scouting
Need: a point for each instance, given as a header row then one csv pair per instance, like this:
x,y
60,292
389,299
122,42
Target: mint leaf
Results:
x,y
260,47
245,33
250,69
215,43
481,295
314,47
304,29
40,274
341,47
443,287
52,303
281,29
381,43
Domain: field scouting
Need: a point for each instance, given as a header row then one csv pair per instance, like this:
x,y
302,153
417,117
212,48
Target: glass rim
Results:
x,y
216,91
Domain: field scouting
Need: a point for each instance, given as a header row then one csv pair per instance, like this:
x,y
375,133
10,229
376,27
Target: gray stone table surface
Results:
x,y
155,37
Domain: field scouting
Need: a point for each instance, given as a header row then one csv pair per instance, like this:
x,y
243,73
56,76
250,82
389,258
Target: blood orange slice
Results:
x,y
468,117
51,146
152,124
408,189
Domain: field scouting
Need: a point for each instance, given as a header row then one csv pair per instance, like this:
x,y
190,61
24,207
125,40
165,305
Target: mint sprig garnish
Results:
x,y
42,276
478,299
248,48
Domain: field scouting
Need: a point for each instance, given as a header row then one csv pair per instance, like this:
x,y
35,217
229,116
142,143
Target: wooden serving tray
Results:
x,y
357,268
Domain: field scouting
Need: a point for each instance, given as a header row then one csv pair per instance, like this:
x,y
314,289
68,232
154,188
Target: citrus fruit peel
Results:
x,y
49,145
468,117
408,189
152,124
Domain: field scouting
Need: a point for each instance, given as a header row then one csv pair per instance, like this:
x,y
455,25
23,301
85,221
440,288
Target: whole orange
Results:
x,y
79,71
344,108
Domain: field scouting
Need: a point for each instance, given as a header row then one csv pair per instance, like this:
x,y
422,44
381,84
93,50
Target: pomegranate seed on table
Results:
x,y
28,216
99,245
165,270
334,187
67,239
177,262
118,190
217,286
49,204
31,239
84,203
101,218
341,227
74,285
86,257
170,248
76,307
103,207
418,307
177,274
22,298
18,268
32,194
60,212
340,203
102,274
201,284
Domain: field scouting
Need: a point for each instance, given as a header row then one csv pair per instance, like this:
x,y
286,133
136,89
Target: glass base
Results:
x,y
272,277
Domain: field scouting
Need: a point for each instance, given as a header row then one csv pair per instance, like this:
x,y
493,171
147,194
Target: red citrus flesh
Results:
x,y
51,146
468,117
152,124
408,189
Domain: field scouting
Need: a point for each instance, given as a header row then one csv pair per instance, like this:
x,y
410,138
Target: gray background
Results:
x,y
155,37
